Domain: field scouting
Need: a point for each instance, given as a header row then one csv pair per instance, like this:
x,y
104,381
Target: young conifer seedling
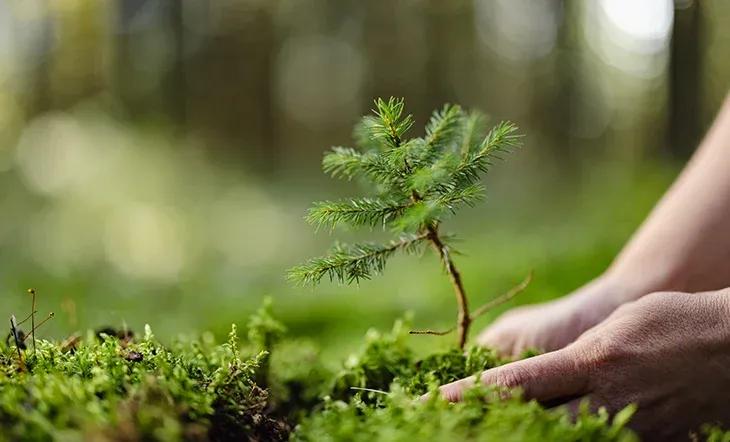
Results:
x,y
416,183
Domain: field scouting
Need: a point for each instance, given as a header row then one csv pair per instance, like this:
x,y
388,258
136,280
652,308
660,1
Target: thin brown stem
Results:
x,y
463,320
32,331
432,332
14,332
32,317
514,291
26,318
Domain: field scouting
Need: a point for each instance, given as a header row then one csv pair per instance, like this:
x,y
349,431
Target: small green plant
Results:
x,y
18,336
416,184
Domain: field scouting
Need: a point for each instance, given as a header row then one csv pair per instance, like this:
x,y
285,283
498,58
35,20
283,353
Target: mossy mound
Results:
x,y
111,389
374,398
111,386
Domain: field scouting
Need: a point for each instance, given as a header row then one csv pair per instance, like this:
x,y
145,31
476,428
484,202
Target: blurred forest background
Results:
x,y
157,156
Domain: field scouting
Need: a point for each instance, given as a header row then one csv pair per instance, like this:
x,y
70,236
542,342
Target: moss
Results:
x,y
111,386
106,388
481,417
714,433
373,398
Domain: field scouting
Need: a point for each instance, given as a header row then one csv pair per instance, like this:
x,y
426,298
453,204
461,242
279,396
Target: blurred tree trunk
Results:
x,y
451,53
684,126
41,93
556,86
394,46
230,81
176,90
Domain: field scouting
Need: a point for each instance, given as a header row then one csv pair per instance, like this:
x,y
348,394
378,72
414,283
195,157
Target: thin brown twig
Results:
x,y
26,318
371,390
431,332
514,291
32,331
14,332
32,318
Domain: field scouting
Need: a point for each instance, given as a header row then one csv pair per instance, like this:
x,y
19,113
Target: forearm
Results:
x,y
685,242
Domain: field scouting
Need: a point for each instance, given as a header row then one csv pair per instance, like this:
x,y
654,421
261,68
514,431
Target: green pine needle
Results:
x,y
391,124
442,128
351,263
473,131
356,212
416,183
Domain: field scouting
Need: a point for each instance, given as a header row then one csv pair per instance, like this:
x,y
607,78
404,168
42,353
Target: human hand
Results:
x,y
555,324
668,353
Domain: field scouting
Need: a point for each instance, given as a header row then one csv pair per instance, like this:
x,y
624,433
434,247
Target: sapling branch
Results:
x,y
501,299
514,291
418,182
432,332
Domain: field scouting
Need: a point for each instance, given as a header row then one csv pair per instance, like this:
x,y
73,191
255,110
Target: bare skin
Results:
x,y
684,245
616,341
668,353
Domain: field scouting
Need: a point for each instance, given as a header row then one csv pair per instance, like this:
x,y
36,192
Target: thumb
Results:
x,y
548,377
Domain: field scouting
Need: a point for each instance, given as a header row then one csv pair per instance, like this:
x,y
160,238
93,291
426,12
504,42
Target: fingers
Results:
x,y
551,377
503,343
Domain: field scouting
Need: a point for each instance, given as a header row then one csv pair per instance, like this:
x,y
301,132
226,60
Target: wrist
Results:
x,y
635,276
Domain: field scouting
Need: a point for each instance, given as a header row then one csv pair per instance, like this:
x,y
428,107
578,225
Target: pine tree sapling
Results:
x,y
416,183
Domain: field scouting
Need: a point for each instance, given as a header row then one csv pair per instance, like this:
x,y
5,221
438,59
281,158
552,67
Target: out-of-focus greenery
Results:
x,y
715,434
238,239
157,157
114,226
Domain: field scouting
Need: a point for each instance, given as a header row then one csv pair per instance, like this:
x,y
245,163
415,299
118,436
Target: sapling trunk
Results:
x,y
463,320
416,184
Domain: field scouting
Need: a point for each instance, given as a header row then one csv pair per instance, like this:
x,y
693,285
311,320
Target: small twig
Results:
x,y
32,332
371,390
514,291
432,332
26,318
32,318
14,332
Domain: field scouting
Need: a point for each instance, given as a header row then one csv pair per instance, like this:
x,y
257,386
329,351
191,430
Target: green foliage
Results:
x,y
373,398
111,389
416,183
264,330
480,417
350,263
715,433
386,359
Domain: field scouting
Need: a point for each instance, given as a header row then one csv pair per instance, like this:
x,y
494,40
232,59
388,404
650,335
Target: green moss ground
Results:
x,y
265,388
